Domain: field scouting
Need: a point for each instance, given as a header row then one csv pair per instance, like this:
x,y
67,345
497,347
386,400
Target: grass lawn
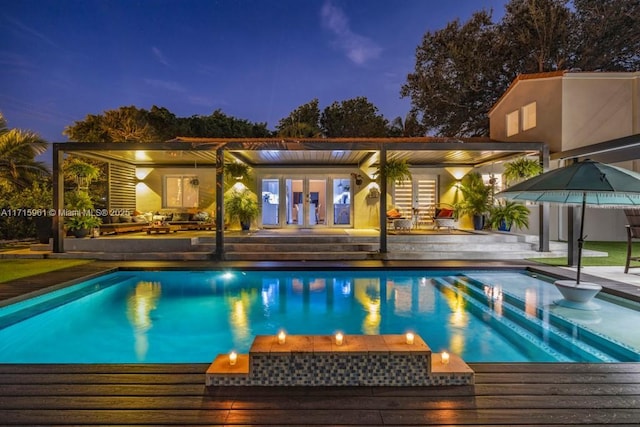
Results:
x,y
617,255
11,269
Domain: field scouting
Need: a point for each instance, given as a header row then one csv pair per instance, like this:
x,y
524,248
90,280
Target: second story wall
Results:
x,y
598,107
531,110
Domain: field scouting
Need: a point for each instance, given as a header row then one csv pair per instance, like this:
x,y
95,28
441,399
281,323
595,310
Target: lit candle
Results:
x,y
410,338
339,338
445,358
282,337
233,358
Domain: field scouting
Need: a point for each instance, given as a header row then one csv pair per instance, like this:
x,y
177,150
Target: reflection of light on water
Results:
x,y
345,287
459,317
140,304
371,325
239,319
530,302
367,293
269,293
456,343
493,292
495,297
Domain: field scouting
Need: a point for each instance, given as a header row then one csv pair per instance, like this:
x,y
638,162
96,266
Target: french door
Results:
x,y
306,202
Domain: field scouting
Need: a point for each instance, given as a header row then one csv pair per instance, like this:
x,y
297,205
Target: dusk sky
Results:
x,y
253,59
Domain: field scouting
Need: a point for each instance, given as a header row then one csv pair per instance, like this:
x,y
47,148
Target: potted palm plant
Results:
x,y
476,199
80,220
241,205
508,213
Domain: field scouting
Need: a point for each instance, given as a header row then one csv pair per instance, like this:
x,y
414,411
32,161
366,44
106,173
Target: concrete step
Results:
x,y
299,256
301,247
134,256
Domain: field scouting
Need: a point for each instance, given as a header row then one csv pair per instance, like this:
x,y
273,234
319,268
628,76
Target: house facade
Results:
x,y
579,115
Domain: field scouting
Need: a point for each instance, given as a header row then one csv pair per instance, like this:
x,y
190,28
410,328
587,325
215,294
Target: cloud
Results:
x,y
165,84
31,33
159,56
359,49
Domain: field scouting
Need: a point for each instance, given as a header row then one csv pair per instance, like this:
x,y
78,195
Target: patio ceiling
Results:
x,y
308,152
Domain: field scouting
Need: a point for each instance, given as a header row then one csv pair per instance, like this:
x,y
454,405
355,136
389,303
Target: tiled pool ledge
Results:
x,y
316,360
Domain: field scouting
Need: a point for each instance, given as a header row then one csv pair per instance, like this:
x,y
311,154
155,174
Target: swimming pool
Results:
x,y
191,316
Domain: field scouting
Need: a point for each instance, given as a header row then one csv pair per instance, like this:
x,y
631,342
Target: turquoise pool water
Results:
x,y
191,316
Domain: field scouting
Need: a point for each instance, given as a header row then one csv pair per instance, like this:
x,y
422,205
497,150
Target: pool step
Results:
x,y
580,336
538,351
544,334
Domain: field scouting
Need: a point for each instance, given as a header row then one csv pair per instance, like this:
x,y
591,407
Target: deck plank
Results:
x,y
504,394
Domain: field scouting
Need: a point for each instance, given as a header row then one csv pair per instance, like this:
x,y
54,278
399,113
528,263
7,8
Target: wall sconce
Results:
x,y
444,358
339,338
458,172
410,338
233,358
358,178
282,337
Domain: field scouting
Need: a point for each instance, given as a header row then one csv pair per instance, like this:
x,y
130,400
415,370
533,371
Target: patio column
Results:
x,y
383,199
220,204
543,236
58,199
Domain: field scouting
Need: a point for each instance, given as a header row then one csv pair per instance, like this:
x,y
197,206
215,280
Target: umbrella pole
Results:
x,y
581,238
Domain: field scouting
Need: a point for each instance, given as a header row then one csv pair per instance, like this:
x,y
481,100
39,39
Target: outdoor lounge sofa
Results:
x,y
190,221
122,224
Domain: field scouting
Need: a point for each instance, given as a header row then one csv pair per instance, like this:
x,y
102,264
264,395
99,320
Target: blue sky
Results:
x,y
253,59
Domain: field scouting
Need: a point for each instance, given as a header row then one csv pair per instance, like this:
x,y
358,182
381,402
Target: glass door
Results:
x,y
342,201
305,202
270,202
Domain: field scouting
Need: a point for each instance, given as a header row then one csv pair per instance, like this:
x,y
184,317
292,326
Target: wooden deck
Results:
x,y
504,394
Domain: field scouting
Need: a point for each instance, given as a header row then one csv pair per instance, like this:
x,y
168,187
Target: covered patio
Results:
x,y
362,157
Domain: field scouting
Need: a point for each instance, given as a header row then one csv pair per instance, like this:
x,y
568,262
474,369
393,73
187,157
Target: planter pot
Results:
x,y
503,226
44,228
81,232
246,226
478,222
577,295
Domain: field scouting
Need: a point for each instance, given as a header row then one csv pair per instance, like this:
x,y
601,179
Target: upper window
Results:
x,y
529,116
180,191
513,121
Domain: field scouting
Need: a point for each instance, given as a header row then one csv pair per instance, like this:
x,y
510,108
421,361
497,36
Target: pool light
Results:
x,y
282,337
233,358
410,337
445,358
339,338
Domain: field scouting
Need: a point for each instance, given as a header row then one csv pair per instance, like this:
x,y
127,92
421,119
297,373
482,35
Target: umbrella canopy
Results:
x,y
586,183
603,185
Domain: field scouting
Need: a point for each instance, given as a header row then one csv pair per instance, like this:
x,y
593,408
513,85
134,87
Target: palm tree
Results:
x,y
18,150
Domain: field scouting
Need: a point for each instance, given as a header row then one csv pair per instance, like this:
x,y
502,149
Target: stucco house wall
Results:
x,y
548,95
598,107
574,110
150,185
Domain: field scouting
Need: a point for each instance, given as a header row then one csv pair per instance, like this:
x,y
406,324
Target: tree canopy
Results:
x,y
462,69
18,165
303,122
355,117
132,124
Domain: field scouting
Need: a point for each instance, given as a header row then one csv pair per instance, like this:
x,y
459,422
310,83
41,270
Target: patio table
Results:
x,y
161,228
